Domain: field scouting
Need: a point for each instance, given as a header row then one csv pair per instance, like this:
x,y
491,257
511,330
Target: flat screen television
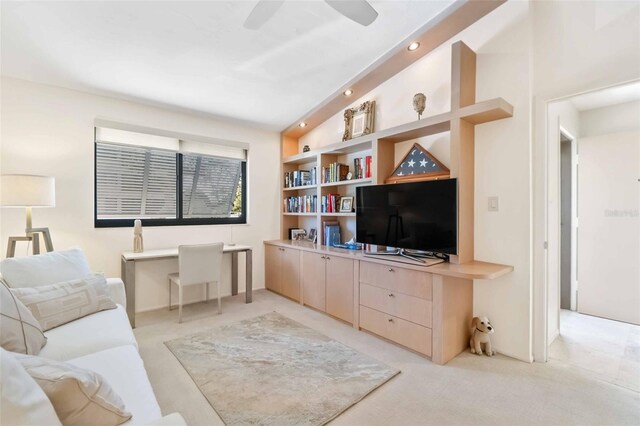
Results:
x,y
421,216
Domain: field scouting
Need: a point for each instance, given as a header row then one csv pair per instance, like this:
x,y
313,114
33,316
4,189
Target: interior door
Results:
x,y
290,273
313,280
339,282
272,268
609,226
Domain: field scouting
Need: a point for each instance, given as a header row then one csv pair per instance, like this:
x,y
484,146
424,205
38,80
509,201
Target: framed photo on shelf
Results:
x,y
359,121
312,236
297,234
346,205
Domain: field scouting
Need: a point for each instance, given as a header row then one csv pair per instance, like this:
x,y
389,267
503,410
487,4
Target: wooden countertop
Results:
x,y
475,270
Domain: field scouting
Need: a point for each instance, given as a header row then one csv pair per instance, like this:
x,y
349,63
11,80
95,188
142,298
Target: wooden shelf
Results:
x,y
303,158
338,214
297,188
299,214
347,182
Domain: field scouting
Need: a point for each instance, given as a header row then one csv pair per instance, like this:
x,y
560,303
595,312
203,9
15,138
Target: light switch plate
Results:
x,y
493,204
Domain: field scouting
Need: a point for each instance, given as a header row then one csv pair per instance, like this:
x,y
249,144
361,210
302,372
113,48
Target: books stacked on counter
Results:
x,y
300,178
301,204
330,203
331,233
362,167
334,172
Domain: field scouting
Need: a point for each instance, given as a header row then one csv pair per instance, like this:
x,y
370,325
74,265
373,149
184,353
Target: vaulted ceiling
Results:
x,y
198,56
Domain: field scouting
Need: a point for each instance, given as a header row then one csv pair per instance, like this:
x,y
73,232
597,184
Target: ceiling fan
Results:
x,y
359,11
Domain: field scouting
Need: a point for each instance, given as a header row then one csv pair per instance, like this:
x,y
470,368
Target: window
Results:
x,y
166,187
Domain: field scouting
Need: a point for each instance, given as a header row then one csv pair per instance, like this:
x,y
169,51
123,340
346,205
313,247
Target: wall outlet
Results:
x,y
493,204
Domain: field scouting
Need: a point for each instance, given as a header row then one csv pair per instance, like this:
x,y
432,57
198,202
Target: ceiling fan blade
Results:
x,y
261,13
359,11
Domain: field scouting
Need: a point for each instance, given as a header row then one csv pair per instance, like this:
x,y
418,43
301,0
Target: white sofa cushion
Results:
x,y
23,402
43,269
56,304
117,292
124,370
95,332
19,330
79,395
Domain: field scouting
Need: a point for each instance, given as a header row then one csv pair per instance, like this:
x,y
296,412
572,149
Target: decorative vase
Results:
x,y
138,246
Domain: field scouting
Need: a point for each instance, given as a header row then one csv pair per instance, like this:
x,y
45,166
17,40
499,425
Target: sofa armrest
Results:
x,y
173,419
116,291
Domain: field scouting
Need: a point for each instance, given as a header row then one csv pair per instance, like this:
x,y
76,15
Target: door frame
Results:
x,y
540,224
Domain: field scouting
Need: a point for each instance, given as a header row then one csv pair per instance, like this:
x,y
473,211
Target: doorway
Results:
x,y
593,232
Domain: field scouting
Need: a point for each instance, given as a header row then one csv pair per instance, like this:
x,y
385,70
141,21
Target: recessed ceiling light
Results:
x,y
302,124
348,92
413,46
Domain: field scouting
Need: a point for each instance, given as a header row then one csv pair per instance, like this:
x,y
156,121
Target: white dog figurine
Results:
x,y
481,328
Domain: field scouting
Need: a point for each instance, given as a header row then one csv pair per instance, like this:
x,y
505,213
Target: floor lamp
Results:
x,y
28,191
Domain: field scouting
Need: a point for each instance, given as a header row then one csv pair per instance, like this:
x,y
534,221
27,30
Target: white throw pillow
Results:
x,y
57,304
24,403
79,396
19,330
44,269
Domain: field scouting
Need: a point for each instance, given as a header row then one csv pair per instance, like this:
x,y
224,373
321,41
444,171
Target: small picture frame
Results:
x,y
359,121
312,236
346,205
298,234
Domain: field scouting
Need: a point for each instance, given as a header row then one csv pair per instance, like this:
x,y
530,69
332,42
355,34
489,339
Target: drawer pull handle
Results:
x,y
391,270
328,258
391,295
323,257
390,319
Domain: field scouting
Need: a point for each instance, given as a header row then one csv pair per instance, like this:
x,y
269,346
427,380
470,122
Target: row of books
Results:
x,y
301,204
334,172
300,178
330,203
331,233
362,167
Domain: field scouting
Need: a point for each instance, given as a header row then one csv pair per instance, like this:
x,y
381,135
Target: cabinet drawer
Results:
x,y
399,305
401,280
396,329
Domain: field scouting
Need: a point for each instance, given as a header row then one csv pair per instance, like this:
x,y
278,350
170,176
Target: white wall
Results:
x,y
501,41
577,46
562,114
49,131
611,119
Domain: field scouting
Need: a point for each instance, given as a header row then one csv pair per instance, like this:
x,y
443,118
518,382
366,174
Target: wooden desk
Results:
x,y
130,258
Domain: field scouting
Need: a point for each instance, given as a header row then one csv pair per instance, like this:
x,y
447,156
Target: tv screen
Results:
x,y
417,216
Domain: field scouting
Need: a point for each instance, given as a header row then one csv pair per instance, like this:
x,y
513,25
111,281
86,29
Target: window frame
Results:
x,y
180,220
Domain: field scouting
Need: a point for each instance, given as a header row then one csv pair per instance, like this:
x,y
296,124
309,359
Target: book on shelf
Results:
x,y
330,203
301,204
300,178
362,167
331,233
334,172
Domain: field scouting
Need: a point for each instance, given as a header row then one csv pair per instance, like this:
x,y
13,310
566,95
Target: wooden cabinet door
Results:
x,y
290,273
339,282
313,280
272,268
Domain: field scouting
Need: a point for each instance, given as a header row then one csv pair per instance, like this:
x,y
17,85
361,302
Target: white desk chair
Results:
x,y
197,264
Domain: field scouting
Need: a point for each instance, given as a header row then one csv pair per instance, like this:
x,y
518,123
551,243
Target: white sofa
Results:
x,y
102,342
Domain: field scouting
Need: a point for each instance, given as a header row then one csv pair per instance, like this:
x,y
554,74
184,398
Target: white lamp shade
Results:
x,y
27,191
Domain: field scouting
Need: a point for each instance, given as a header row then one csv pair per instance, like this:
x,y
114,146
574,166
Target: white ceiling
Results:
x,y
197,55
607,97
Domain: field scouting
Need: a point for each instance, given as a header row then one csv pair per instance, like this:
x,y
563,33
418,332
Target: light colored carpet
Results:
x,y
271,370
469,390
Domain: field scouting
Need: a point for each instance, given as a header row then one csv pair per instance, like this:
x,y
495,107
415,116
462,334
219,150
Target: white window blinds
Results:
x,y
135,183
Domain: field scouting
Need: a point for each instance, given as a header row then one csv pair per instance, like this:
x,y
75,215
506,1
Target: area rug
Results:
x,y
271,370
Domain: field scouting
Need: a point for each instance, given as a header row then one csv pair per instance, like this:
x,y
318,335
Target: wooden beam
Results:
x,y
437,31
463,76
